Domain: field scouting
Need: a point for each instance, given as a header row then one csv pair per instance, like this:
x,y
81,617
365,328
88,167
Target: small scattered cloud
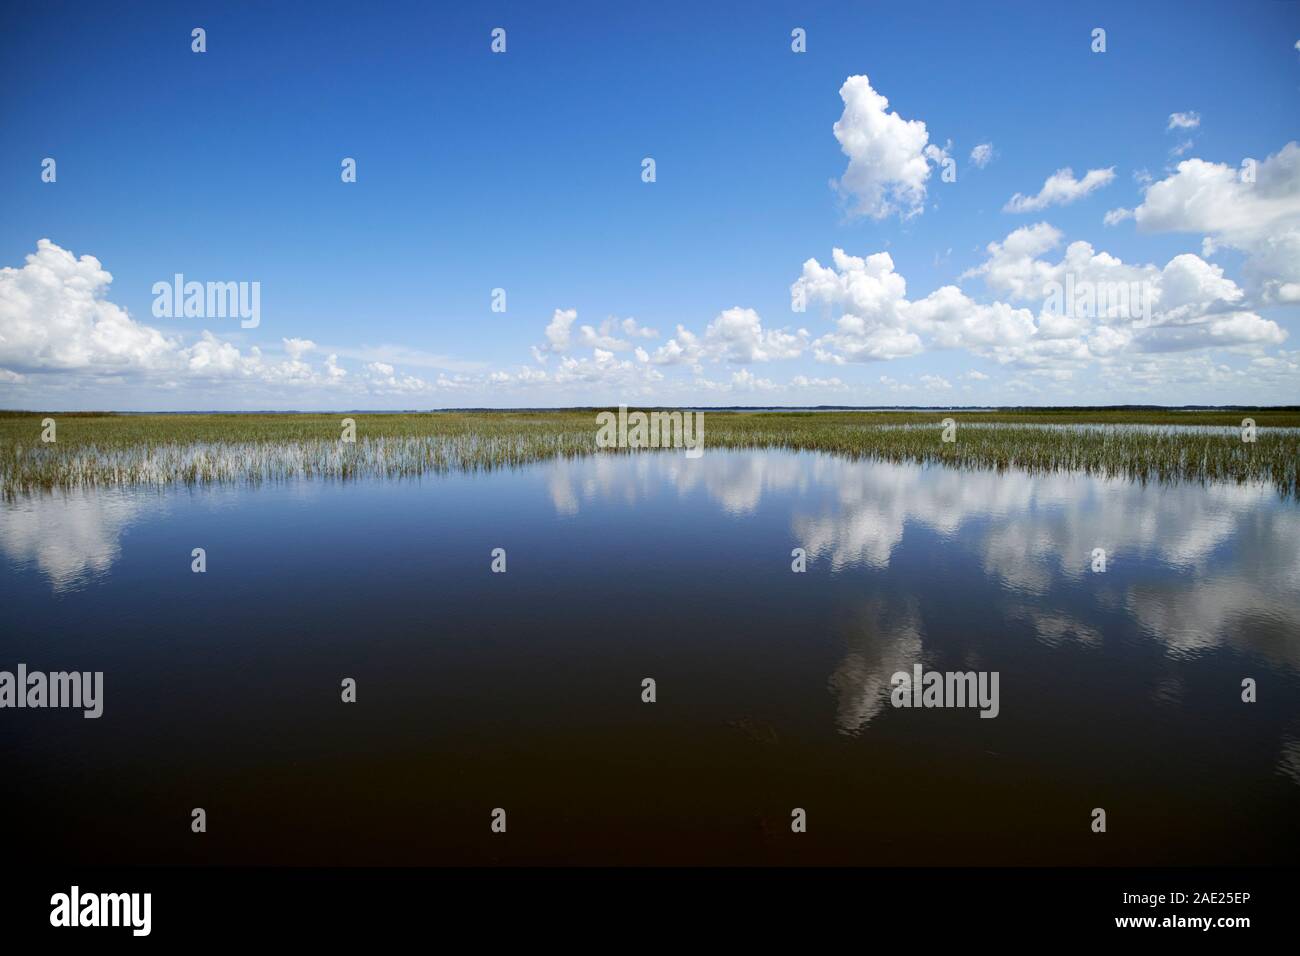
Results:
x,y
1061,189
607,336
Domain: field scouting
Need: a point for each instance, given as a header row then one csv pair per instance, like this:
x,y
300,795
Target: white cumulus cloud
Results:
x,y
889,157
55,318
1254,208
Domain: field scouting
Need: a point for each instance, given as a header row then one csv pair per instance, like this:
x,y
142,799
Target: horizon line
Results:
x,y
702,408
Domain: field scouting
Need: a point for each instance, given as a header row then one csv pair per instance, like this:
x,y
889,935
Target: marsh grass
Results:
x,y
97,450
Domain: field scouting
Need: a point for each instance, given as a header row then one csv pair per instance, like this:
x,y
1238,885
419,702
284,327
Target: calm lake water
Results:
x,y
1119,690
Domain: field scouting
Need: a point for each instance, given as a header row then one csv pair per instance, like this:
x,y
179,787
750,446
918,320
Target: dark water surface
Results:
x,y
522,690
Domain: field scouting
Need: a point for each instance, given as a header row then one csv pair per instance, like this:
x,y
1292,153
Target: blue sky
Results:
x,y
523,171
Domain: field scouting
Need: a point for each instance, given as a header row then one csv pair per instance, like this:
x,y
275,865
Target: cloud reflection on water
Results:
x,y
1196,568
71,537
